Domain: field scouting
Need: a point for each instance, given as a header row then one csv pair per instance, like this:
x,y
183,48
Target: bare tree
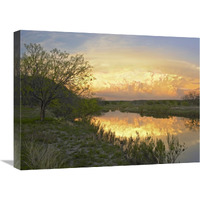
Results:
x,y
44,74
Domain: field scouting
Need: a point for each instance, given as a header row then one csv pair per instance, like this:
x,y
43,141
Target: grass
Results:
x,y
41,155
60,144
155,108
145,151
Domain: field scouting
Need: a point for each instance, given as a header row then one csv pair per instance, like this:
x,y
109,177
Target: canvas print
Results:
x,y
90,100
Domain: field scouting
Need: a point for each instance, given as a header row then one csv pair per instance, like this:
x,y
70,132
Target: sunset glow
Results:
x,y
125,73
127,124
131,67
106,99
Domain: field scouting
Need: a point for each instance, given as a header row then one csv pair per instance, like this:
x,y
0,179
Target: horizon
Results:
x,y
145,100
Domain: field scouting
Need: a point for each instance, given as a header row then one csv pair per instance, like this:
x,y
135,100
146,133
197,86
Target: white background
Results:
x,y
150,17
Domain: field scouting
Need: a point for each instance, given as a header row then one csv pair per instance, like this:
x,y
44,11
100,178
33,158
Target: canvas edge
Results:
x,y
17,102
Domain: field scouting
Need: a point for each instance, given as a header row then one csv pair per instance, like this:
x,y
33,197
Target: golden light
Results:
x,y
140,74
127,124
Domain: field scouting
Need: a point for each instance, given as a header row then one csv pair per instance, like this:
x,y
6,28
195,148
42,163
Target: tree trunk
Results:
x,y
42,112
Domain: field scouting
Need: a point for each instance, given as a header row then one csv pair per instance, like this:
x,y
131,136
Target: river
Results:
x,y
127,124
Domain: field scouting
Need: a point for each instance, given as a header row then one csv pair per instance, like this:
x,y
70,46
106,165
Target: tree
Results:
x,y
86,108
192,97
44,74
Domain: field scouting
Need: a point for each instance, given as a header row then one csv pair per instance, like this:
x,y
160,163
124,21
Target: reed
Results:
x,y
143,151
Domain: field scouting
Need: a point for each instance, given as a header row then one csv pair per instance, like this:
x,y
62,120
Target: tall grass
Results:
x,y
174,148
143,151
41,156
150,151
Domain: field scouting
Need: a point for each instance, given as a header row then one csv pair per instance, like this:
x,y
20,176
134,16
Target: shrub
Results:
x,y
86,108
65,104
174,148
150,151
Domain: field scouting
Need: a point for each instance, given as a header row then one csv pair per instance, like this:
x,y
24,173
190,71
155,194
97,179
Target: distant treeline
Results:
x,y
151,102
155,108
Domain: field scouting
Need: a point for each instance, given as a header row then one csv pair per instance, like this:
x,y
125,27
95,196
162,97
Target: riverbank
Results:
x,y
58,143
155,108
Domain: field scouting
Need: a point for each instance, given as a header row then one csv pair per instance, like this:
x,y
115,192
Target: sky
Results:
x,y
130,67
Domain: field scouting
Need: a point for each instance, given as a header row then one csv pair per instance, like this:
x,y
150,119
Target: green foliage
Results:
x,y
150,102
143,151
150,151
58,143
73,107
65,104
155,108
44,74
185,103
175,148
86,108
160,152
68,144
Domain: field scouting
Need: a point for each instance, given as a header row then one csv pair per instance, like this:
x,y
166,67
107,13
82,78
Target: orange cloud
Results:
x,y
147,85
125,72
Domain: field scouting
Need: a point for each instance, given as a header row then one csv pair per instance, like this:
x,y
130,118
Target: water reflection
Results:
x,y
127,124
